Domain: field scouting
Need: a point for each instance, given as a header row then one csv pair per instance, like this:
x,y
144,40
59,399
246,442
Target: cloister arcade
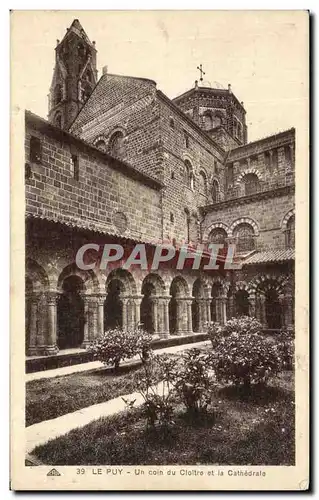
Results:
x,y
71,308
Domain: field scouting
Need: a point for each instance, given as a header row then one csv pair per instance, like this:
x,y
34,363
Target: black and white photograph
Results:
x,y
162,297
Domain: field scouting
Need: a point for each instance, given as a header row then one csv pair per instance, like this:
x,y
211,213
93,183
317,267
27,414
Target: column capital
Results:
x,y
52,297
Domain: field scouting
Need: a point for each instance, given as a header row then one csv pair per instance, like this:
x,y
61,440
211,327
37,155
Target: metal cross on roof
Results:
x,y
201,72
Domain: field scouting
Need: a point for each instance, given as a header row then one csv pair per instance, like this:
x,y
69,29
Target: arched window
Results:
x,y
88,76
208,121
218,235
116,144
217,121
215,191
57,93
202,183
251,183
188,174
290,232
245,237
100,144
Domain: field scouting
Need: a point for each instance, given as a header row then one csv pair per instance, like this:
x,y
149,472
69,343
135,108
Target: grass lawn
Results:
x,y
50,398
258,430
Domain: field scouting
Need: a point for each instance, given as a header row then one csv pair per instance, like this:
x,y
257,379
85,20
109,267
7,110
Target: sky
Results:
x,y
263,54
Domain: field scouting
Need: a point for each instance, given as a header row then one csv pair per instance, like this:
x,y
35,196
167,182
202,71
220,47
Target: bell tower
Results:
x,y
74,75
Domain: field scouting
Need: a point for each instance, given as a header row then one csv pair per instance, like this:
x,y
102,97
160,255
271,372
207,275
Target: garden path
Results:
x,y
42,432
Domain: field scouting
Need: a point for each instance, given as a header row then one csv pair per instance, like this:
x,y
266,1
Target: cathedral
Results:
x,y
118,161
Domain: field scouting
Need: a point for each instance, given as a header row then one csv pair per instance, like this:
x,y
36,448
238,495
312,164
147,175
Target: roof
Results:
x,y
271,256
77,28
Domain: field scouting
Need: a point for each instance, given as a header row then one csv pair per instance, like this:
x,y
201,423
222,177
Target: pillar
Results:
x,y
155,315
189,316
166,316
223,313
262,310
252,305
51,342
124,313
100,315
137,317
87,326
209,319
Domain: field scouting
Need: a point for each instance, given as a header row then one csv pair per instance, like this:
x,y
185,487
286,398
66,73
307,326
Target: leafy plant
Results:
x,y
286,347
194,383
246,359
116,345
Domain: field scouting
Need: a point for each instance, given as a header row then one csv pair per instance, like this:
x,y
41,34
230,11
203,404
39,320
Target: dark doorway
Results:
x,y
70,312
242,303
195,315
273,310
113,306
172,311
147,319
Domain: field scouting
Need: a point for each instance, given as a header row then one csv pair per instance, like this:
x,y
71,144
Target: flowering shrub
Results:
x,y
193,381
116,345
246,358
243,324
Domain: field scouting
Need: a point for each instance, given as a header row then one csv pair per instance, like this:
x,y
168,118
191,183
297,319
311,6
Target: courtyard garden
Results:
x,y
228,403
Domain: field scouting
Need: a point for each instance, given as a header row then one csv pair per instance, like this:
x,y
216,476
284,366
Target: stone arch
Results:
x,y
215,190
203,181
245,220
286,218
37,276
216,225
89,278
264,282
157,282
151,306
125,278
116,140
188,171
224,284
250,170
179,286
100,142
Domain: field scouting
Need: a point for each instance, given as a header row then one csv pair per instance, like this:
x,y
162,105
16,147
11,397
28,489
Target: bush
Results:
x,y
243,324
286,348
116,345
246,359
193,381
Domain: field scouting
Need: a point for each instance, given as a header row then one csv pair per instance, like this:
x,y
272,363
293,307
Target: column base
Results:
x,y
43,350
163,335
85,344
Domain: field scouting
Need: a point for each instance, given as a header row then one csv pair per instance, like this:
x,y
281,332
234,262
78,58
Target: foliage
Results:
x,y
193,382
286,347
116,345
246,358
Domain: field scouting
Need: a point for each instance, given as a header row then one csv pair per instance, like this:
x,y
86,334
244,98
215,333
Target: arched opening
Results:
x,y
217,121
147,318
113,305
58,120
58,93
218,236
242,303
178,289
290,232
216,292
251,183
215,191
100,144
245,236
208,121
116,144
273,310
188,174
70,314
202,183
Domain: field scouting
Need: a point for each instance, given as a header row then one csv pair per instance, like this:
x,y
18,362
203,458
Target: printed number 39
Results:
x,y
80,471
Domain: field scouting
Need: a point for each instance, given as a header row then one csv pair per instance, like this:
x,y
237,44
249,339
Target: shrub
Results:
x,y
193,382
243,324
116,345
246,359
286,348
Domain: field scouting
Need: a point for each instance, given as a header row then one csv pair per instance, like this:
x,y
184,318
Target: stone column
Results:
x,y
87,326
289,312
262,310
209,319
100,315
189,316
137,317
252,305
124,312
155,315
179,316
166,315
223,315
51,343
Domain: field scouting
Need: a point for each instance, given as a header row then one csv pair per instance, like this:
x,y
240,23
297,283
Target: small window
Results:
x,y
290,232
251,183
245,237
218,235
58,120
215,192
172,175
35,150
171,123
172,217
100,144
230,175
116,144
75,170
275,158
186,141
